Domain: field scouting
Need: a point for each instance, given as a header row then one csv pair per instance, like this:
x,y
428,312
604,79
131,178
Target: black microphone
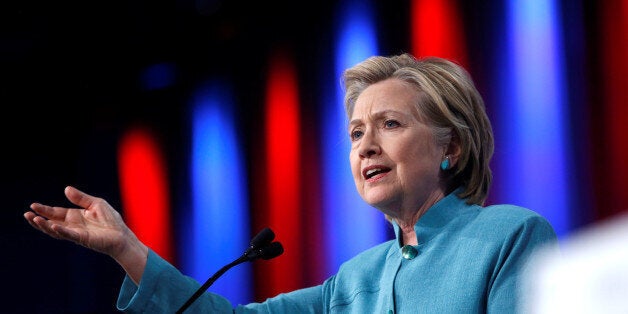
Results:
x,y
261,246
269,251
264,237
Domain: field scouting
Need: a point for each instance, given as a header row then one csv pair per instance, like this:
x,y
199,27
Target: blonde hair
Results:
x,y
450,103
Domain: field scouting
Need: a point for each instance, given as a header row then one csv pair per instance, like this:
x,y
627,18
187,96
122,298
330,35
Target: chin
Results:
x,y
378,196
377,201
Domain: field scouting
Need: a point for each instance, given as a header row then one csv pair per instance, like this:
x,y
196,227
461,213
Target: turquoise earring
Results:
x,y
444,165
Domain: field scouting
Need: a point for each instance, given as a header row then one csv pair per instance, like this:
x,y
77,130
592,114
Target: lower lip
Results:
x,y
377,177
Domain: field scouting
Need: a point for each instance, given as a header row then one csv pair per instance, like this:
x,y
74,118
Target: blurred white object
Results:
x,y
589,275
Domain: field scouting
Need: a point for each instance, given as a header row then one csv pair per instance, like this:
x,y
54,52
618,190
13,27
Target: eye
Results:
x,y
389,124
356,134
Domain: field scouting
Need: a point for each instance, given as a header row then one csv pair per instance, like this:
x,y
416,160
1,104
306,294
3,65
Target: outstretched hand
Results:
x,y
95,224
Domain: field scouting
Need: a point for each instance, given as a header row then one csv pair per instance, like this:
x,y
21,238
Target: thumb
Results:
x,y
78,197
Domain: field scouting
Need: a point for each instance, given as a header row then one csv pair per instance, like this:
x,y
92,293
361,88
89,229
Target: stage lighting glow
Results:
x,y
217,228
351,225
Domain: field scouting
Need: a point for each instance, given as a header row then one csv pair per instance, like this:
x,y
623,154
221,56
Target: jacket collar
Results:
x,y
436,217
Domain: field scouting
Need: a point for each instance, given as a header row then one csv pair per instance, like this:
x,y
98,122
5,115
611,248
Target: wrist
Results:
x,y
133,258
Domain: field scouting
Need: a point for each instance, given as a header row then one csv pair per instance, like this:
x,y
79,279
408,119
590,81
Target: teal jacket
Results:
x,y
469,260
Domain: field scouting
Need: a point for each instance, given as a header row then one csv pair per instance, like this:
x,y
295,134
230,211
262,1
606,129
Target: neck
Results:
x,y
408,236
407,220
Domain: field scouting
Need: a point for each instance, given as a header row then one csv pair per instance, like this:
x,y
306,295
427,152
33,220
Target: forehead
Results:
x,y
388,95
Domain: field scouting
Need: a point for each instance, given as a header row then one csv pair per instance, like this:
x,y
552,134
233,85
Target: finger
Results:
x,y
65,233
79,197
29,217
50,228
49,212
56,230
44,226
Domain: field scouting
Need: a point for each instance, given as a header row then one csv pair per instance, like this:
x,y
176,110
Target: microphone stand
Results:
x,y
210,281
261,247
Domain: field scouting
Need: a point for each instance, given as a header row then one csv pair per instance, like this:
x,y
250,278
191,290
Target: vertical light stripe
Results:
x,y
283,134
436,28
532,163
144,190
351,225
217,229
613,141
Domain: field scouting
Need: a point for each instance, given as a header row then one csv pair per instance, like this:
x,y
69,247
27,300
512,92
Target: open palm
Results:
x,y
95,224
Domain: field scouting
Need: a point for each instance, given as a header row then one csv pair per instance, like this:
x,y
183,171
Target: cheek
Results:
x,y
354,161
420,163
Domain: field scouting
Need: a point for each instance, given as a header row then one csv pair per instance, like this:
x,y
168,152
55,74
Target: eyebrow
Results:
x,y
376,115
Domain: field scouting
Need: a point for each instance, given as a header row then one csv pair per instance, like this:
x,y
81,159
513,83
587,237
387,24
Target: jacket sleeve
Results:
x,y
532,234
163,289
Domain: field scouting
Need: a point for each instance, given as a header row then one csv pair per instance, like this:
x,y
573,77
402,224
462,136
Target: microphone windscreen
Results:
x,y
262,238
271,251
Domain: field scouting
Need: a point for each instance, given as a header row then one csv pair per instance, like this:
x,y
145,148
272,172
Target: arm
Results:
x,y
95,225
504,294
98,226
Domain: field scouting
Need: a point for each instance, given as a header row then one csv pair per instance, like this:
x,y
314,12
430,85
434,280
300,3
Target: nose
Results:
x,y
369,144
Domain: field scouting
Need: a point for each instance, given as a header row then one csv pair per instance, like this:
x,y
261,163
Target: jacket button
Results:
x,y
409,252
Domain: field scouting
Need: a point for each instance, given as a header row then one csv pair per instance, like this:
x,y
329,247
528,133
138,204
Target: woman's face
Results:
x,y
394,157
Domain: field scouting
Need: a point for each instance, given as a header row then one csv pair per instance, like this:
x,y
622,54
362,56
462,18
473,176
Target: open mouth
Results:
x,y
374,171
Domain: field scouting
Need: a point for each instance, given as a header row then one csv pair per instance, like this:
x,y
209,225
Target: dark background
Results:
x,y
71,84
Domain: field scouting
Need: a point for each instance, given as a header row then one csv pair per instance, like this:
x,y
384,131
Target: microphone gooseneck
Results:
x,y
261,246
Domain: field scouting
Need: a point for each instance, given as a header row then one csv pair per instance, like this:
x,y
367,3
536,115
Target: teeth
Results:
x,y
370,172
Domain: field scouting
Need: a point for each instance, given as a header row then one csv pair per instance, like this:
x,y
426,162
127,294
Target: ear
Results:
x,y
454,149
